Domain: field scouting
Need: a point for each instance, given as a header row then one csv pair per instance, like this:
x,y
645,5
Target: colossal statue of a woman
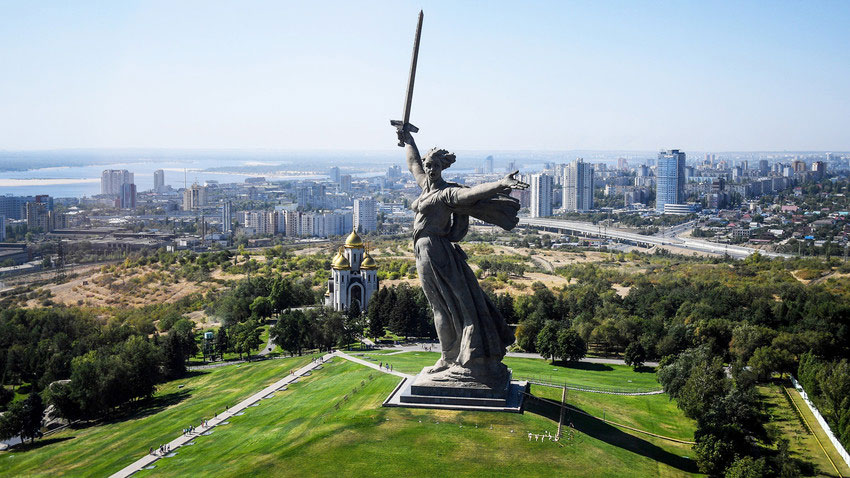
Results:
x,y
473,335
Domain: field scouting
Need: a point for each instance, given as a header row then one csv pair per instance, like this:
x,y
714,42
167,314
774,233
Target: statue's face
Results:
x,y
432,169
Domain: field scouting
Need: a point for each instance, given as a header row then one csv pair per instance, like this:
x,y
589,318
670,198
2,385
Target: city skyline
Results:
x,y
567,76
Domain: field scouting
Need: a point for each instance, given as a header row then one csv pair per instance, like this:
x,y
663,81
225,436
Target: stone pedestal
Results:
x,y
421,392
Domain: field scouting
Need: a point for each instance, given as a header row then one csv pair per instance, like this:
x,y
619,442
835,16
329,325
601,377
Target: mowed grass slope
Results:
x,y
312,429
102,449
579,374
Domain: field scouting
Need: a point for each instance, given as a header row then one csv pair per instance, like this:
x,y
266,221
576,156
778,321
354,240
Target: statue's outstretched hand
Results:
x,y
511,182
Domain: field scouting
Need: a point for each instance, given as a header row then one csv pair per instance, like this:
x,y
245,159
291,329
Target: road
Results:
x,y
588,229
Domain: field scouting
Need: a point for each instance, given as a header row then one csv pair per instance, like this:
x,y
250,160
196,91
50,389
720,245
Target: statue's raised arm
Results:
x,y
414,160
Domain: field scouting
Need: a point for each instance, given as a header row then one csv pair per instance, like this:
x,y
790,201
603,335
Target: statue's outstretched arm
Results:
x,y
414,160
469,196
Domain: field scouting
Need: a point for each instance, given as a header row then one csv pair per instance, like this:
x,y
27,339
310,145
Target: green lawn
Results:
x,y
579,374
312,429
653,413
106,448
802,442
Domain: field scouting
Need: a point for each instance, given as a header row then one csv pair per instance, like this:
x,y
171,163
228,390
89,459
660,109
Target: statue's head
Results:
x,y
435,161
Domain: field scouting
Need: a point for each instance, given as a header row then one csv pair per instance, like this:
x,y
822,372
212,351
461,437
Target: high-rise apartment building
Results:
x,y
394,172
311,195
158,180
2,228
365,215
488,165
37,217
258,222
111,181
541,195
227,217
292,223
345,183
818,169
194,197
333,174
128,196
578,186
670,173
622,163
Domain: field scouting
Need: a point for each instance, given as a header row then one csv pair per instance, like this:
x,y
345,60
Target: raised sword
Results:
x,y
404,125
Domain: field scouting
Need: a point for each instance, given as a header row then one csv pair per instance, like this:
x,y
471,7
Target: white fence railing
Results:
x,y
823,424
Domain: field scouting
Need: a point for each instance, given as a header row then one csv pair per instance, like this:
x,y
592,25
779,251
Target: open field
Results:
x,y
102,449
301,432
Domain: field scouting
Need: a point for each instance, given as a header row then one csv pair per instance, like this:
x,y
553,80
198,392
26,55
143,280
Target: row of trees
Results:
x,y
401,309
670,311
258,298
827,383
556,340
730,423
323,329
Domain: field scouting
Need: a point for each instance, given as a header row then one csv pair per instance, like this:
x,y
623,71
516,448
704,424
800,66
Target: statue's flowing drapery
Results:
x,y
468,324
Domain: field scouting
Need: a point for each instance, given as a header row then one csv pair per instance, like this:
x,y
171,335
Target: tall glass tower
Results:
x,y
670,175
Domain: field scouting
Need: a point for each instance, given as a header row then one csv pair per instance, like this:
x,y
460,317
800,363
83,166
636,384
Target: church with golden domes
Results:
x,y
354,276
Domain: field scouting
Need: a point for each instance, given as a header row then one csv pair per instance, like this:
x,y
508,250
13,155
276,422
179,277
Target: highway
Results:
x,y
669,237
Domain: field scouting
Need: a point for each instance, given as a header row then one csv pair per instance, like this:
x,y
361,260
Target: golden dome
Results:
x,y
340,262
368,263
353,240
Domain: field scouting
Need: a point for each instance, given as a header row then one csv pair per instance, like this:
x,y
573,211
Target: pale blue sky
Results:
x,y
711,76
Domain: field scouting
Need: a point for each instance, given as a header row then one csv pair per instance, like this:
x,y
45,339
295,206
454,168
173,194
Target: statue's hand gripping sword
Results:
x,y
404,125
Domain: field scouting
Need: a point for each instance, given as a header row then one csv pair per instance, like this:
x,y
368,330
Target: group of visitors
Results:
x,y
386,366
162,450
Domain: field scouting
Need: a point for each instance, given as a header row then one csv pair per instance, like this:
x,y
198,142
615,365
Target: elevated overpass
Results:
x,y
595,230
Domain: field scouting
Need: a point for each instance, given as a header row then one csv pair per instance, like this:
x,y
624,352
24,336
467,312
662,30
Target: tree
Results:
x,y
767,360
290,332
705,384
747,338
142,359
23,419
571,347
748,467
222,342
713,455
635,355
547,340
261,308
32,414
12,422
353,326
375,313
6,396
281,295
246,337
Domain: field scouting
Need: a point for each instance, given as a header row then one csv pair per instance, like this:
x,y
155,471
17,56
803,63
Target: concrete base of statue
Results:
x,y
427,391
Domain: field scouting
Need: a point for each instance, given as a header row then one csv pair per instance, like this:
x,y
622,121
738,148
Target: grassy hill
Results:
x,y
332,424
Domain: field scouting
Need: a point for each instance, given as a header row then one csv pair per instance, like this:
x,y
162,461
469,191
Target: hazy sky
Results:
x,y
558,75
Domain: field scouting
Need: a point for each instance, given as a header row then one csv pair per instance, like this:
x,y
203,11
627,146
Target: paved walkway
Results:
x,y
175,444
270,344
371,365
